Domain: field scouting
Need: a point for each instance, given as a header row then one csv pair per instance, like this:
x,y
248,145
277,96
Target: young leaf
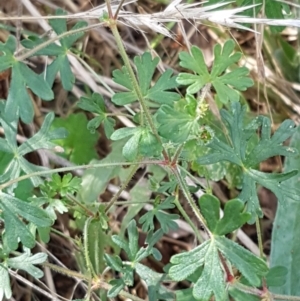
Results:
x,y
233,218
223,58
26,263
145,68
80,144
277,276
42,139
166,220
61,64
14,229
96,105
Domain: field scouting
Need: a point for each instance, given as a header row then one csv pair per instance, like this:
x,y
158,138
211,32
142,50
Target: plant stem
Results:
x,y
88,263
106,286
190,200
31,52
67,272
259,238
70,168
135,84
187,218
123,186
74,200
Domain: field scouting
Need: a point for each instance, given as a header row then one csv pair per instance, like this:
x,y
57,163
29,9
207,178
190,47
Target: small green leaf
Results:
x,y
18,164
145,67
117,286
166,220
277,276
233,218
153,280
14,229
26,263
210,208
61,64
223,59
96,104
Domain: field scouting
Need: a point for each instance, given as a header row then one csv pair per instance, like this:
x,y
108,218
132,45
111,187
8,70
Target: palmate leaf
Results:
x,y
42,139
22,76
145,67
233,218
224,84
96,104
240,151
26,263
15,229
61,64
166,220
211,280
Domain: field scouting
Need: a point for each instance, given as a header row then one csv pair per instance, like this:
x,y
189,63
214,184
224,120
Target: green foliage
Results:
x,y
165,220
286,229
23,262
211,280
223,59
239,151
178,133
135,255
233,218
19,101
42,139
142,142
61,63
80,145
96,104
145,68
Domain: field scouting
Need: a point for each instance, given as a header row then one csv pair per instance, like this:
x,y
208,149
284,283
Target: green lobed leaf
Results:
x,y
145,67
14,228
18,164
96,104
226,85
211,281
153,280
233,218
252,267
26,263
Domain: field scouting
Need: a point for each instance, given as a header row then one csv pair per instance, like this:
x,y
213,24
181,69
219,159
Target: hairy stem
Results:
x,y
188,220
123,186
190,200
70,168
136,87
31,52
